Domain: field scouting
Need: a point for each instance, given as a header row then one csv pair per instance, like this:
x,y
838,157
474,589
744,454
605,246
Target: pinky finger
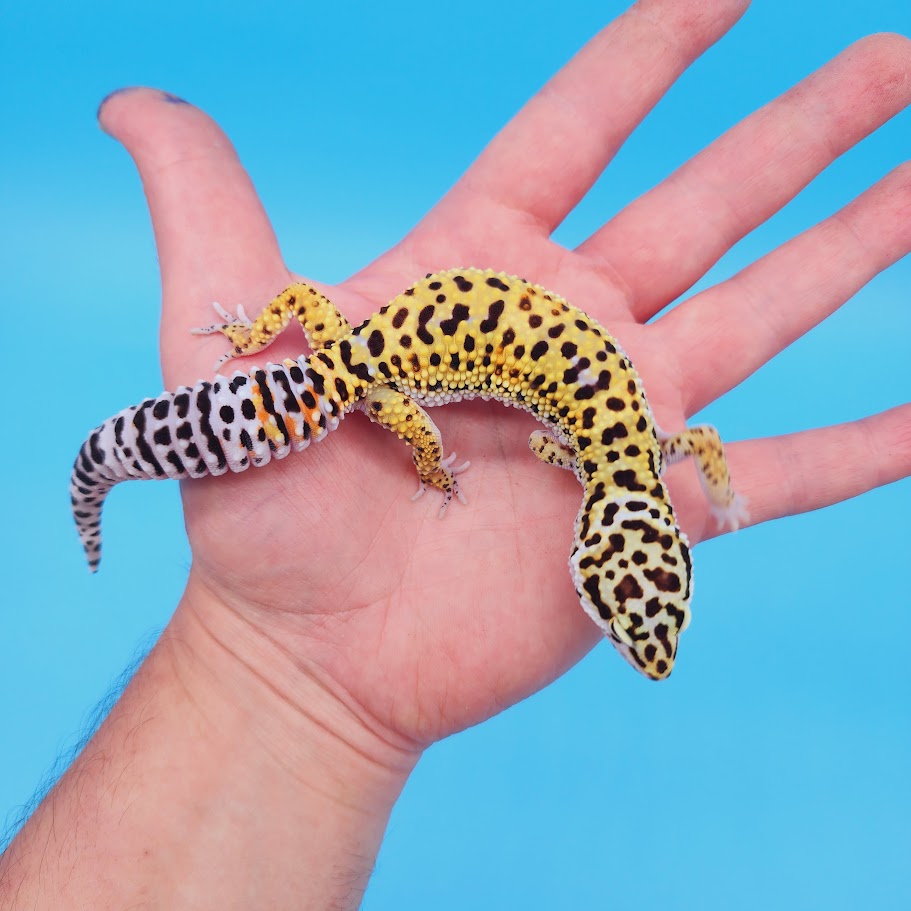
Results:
x,y
800,472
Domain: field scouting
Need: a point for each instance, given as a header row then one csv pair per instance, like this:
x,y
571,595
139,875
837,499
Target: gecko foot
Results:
x,y
733,515
445,482
230,320
236,328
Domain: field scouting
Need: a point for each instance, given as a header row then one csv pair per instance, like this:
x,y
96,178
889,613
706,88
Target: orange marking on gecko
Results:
x,y
266,419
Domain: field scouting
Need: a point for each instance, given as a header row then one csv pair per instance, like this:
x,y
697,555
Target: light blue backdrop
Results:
x,y
770,775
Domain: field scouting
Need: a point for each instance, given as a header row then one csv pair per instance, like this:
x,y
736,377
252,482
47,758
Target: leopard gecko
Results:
x,y
454,335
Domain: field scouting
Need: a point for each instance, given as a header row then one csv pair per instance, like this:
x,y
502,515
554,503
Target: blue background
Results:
x,y
771,774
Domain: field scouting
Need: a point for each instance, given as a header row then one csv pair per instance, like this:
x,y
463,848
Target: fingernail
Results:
x,y
171,98
110,95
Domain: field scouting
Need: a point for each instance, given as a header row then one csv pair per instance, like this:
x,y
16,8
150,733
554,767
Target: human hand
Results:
x,y
422,626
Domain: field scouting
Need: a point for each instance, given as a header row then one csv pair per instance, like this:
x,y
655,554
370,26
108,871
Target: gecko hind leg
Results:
x,y
409,422
551,451
320,319
704,444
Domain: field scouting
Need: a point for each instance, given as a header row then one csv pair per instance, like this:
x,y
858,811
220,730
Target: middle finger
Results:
x,y
669,238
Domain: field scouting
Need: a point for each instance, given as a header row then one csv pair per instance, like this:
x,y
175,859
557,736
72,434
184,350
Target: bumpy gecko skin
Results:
x,y
454,335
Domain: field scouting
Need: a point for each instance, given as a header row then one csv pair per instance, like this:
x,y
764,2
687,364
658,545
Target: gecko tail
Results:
x,y
88,490
228,424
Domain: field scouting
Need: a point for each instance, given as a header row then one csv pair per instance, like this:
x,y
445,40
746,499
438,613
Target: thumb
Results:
x,y
214,239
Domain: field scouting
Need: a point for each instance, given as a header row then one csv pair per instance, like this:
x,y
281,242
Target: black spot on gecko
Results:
x,y
319,384
494,312
400,316
462,283
423,317
182,404
495,282
376,343
84,479
539,350
661,631
450,326
96,451
289,398
626,479
361,371
264,391
617,432
662,579
176,462
591,587
628,587
142,444
596,496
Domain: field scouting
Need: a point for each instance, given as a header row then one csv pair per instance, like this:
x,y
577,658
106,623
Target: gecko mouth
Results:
x,y
643,655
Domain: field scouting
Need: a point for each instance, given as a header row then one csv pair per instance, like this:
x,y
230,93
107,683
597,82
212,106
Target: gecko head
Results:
x,y
631,568
644,629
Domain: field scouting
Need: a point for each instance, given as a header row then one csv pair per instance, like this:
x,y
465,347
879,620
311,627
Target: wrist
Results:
x,y
287,709
227,775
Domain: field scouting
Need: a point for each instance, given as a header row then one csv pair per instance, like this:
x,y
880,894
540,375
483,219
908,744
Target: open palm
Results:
x,y
428,626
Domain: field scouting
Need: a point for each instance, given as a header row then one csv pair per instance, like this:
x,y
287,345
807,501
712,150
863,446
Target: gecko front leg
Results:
x,y
406,419
704,444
